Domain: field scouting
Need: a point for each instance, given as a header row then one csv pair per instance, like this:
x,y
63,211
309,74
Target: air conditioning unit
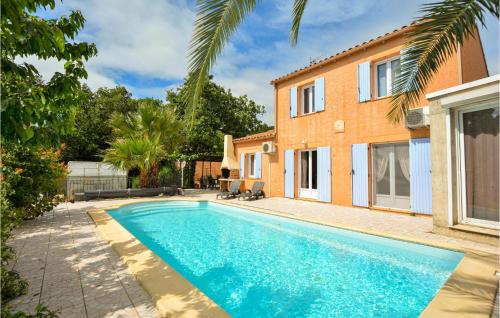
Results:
x,y
268,147
417,118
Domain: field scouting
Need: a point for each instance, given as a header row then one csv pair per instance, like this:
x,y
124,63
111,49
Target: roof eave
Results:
x,y
246,139
343,54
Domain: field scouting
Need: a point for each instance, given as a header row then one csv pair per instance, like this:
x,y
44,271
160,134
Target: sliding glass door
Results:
x,y
479,165
391,175
308,174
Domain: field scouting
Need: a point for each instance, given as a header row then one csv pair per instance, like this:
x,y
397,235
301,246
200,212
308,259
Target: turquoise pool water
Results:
x,y
257,265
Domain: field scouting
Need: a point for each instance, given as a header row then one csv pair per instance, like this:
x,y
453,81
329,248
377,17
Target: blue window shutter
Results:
x,y
258,165
242,166
289,174
319,94
324,175
420,176
359,153
364,82
293,102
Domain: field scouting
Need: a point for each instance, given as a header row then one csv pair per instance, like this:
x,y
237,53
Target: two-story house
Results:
x,y
332,141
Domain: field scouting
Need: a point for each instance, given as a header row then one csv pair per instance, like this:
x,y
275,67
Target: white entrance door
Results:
x,y
308,174
391,176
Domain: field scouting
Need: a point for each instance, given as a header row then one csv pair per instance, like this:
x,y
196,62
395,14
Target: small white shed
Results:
x,y
89,176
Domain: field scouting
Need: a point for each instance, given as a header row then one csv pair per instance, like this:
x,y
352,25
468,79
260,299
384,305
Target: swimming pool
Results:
x,y
257,265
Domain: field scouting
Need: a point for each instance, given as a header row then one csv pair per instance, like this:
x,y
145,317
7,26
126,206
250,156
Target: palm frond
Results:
x,y
436,35
215,23
143,138
298,11
133,153
123,125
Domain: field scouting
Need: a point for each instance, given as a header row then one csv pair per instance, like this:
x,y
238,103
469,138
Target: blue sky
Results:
x,y
142,44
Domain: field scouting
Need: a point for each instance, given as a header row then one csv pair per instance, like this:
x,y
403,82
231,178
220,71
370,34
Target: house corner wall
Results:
x,y
439,165
472,59
269,165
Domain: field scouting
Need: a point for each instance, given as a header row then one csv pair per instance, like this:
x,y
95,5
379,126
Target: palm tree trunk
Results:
x,y
153,174
143,178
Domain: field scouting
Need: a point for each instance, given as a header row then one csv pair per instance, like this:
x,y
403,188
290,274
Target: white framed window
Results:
x,y
251,165
478,162
385,74
308,103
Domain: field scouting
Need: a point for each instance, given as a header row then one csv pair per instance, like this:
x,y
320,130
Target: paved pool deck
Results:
x,y
71,268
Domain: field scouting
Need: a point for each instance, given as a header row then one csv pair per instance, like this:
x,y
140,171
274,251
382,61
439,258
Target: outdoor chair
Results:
x,y
232,192
255,193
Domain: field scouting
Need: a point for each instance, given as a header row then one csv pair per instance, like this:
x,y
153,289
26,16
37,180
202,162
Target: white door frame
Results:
x,y
462,194
395,199
309,193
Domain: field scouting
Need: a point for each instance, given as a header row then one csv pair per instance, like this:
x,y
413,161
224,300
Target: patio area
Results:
x,y
70,268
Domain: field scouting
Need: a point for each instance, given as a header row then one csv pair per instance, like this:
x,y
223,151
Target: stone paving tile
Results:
x,y
77,311
26,307
71,270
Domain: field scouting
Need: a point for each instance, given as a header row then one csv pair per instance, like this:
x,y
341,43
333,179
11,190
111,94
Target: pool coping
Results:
x,y
470,289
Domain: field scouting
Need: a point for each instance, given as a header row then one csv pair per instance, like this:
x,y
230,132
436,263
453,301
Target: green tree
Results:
x,y
31,109
219,112
93,132
143,139
433,39
34,114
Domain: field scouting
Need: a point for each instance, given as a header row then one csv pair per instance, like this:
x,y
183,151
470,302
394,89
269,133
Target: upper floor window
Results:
x,y
308,102
386,72
308,98
251,165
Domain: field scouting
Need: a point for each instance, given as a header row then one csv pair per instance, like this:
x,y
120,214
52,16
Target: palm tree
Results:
x,y
131,153
143,139
433,38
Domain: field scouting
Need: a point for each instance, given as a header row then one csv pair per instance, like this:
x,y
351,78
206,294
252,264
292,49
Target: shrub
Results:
x,y
30,187
31,178
135,182
168,176
11,284
40,312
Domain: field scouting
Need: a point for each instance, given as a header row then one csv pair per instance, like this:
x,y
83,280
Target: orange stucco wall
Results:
x,y
364,122
205,168
249,147
473,62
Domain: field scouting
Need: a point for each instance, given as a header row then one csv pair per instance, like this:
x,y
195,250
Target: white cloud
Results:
x,y
149,40
158,92
133,37
253,83
97,79
318,13
47,69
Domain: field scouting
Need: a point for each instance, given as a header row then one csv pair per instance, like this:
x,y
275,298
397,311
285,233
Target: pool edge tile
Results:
x,y
173,295
469,291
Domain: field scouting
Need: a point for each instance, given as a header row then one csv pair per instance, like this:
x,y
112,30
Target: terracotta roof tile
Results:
x,y
343,53
263,135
